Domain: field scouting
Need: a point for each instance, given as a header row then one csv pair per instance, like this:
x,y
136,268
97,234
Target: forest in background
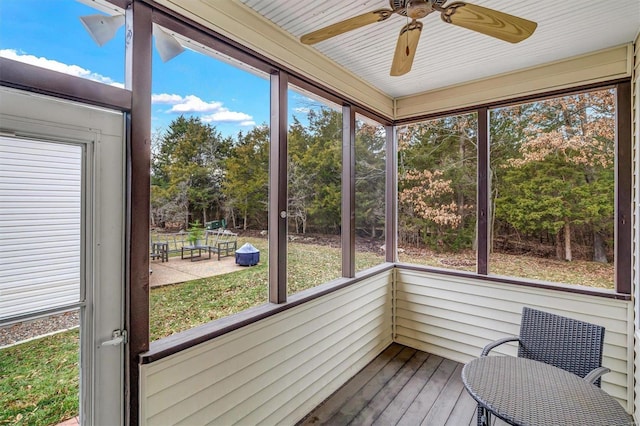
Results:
x,y
552,178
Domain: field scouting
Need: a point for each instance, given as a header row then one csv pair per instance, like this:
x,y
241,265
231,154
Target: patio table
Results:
x,y
192,250
522,391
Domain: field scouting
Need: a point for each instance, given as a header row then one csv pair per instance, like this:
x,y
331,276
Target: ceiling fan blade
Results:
x,y
346,25
488,21
406,48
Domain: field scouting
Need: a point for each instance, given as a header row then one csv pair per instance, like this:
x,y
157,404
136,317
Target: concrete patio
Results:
x,y
178,270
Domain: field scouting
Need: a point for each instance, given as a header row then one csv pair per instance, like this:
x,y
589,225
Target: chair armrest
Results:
x,y
498,342
595,374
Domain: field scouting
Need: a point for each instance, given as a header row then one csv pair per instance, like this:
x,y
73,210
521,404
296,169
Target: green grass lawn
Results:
x,y
39,379
178,307
581,272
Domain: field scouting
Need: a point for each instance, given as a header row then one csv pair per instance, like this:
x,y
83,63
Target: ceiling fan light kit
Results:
x,y
480,19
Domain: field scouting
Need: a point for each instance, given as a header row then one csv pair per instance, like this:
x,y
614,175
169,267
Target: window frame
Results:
x,y
623,186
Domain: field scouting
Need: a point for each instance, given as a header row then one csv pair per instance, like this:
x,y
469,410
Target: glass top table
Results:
x,y
521,391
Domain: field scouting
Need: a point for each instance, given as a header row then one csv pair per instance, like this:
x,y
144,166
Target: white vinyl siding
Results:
x,y
455,317
40,225
274,371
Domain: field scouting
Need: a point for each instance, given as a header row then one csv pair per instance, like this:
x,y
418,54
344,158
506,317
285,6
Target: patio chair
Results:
x,y
572,345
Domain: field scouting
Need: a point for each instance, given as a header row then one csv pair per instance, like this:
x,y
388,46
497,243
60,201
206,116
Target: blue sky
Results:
x,y
49,33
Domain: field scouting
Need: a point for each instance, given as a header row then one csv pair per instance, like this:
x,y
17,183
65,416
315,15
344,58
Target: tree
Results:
x,y
562,175
299,185
437,182
370,178
315,166
188,166
246,185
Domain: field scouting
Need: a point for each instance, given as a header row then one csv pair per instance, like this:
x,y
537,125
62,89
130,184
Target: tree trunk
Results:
x,y
493,195
558,246
567,240
599,253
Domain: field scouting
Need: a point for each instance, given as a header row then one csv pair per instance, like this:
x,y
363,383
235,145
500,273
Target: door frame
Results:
x,y
101,133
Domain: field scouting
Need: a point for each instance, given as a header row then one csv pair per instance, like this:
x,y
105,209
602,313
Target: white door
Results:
x,y
43,138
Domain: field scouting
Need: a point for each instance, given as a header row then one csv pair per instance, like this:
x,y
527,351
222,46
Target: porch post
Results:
x,y
348,231
278,189
138,78
391,195
484,191
624,193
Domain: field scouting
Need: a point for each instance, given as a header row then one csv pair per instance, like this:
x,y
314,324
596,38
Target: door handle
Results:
x,y
118,337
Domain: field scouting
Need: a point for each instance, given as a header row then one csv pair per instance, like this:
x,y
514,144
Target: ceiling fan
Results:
x,y
476,18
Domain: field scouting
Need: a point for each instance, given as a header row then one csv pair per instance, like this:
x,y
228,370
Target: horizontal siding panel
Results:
x,y
40,225
53,272
615,355
506,297
412,320
41,254
65,299
310,350
440,347
43,241
467,345
39,287
455,317
487,318
409,305
35,147
34,181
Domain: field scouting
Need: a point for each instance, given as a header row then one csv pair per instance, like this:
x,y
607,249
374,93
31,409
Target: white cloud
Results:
x,y
191,103
53,65
227,116
165,98
302,110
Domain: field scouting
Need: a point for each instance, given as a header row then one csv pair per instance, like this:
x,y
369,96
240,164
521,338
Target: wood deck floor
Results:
x,y
402,386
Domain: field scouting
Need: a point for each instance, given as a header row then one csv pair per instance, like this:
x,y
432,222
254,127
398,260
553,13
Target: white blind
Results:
x,y
40,225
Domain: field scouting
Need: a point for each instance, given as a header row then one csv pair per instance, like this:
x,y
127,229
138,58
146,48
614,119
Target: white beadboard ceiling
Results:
x,y
447,54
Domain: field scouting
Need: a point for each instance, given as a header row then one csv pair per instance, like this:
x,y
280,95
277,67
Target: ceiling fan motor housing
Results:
x,y
414,9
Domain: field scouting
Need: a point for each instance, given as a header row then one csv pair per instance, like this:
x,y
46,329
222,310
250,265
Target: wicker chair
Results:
x,y
572,345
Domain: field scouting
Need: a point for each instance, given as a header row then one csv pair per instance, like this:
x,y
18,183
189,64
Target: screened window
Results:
x,y
370,162
314,254
553,169
437,168
209,185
